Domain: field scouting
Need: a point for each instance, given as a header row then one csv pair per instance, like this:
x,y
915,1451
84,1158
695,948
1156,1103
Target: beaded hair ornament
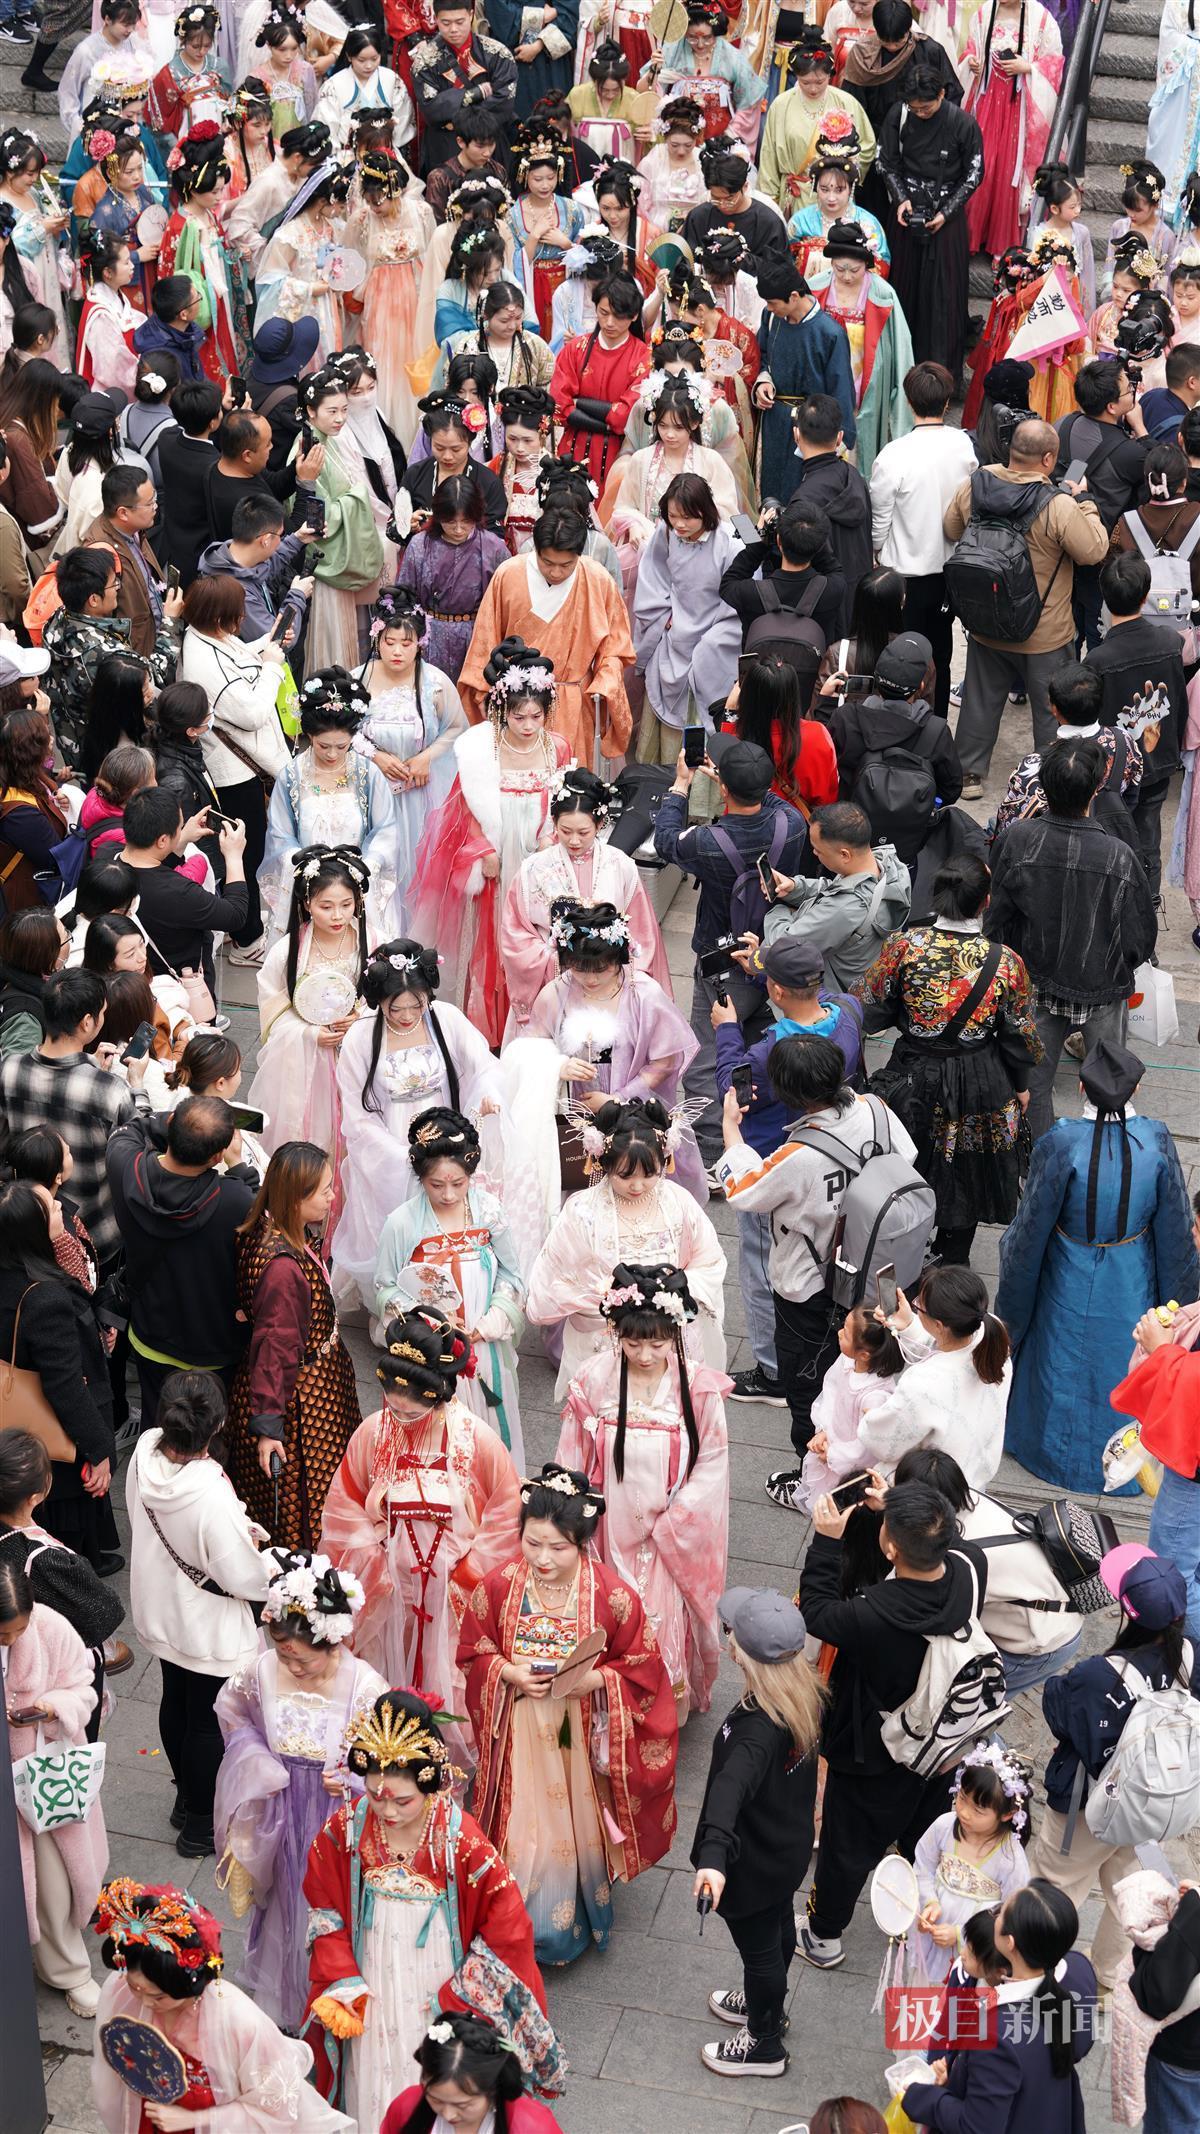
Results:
x,y
1148,176
396,1740
525,678
250,100
197,17
664,385
175,1925
477,192
1011,1772
190,171
562,1484
16,144
677,1305
122,76
570,927
308,862
533,147
838,143
680,116
398,609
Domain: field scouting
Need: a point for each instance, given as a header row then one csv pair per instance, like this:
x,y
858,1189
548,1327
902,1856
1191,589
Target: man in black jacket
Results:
x,y
186,453
241,469
455,70
1097,432
829,481
880,1635
180,918
1140,663
896,717
793,557
178,1216
1074,903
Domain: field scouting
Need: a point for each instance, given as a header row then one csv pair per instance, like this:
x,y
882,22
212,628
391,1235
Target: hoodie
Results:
x,y
179,1237
880,1635
201,1519
848,916
184,343
863,724
265,584
841,493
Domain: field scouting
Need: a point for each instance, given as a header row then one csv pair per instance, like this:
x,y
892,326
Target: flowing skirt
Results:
x,y
971,1136
994,210
404,1978
555,1845
389,319
275,1968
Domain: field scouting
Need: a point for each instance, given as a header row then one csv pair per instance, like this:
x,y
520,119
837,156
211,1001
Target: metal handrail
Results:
x,y
1068,135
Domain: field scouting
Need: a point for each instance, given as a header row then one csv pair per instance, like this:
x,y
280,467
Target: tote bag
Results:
x,y
57,1786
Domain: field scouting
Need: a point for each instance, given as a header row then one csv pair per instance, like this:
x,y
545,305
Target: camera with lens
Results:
x,y
918,222
1139,341
717,963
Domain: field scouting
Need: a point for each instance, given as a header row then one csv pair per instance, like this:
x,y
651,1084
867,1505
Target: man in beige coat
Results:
x,y
1068,531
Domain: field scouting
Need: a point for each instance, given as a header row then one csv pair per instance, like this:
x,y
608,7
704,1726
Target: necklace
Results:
x,y
554,1599
404,1854
511,748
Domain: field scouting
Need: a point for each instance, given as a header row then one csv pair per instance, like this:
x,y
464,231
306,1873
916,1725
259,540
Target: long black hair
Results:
x,y
474,2058
616,178
640,1316
404,966
1043,1923
317,867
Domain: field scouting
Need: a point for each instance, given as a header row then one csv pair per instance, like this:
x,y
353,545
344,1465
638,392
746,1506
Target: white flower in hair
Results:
x,y
440,2034
668,1304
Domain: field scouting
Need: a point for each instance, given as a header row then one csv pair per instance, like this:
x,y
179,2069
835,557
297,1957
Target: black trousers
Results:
x,y
1146,816
152,1377
953,1247
860,1818
191,1737
927,609
766,1943
246,802
805,1346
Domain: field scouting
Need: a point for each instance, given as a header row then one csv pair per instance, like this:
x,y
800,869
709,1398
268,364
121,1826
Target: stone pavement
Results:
x,y
633,2020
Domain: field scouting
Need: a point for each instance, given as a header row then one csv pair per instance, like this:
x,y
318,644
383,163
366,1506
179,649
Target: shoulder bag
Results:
x,y
23,1405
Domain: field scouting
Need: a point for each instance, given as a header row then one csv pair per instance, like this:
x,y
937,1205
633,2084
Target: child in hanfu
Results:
x,y
970,1857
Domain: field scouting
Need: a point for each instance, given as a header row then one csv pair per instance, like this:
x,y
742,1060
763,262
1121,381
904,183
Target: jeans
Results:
x,y
700,1079
1108,1020
191,1737
987,683
1172,2098
1175,1534
1023,1669
758,1302
766,1943
805,1346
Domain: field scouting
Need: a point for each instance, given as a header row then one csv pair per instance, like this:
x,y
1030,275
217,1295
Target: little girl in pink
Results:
x,y
864,1374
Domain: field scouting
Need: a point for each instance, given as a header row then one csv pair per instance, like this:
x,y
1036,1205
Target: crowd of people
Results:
x,y
461,473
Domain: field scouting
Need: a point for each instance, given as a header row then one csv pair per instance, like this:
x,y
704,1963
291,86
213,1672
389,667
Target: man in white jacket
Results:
x,y
195,1570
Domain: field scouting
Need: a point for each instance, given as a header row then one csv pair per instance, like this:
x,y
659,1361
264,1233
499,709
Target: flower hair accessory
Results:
x,y
396,609
101,144
1011,1772
198,17
174,1924
309,1586
679,116
439,2034
659,385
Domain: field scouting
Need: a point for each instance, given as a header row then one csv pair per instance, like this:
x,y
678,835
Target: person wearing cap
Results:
x,y
801,1005
795,121
803,352
754,1833
961,1083
895,717
826,479
1103,1233
852,292
753,820
1087,1710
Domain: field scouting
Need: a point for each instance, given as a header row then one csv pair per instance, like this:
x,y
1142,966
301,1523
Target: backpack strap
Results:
x,y
966,1007
779,830
1187,546
807,602
768,593
728,850
1141,539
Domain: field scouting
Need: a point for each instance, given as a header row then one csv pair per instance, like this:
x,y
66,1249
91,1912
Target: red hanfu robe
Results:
x,y
585,370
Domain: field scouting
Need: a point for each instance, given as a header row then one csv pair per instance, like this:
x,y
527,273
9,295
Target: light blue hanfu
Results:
x,y
687,640
1173,121
746,88
398,724
807,222
362,812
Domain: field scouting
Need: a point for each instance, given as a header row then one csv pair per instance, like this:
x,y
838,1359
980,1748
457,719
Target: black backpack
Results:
x,y
747,904
778,628
895,788
989,575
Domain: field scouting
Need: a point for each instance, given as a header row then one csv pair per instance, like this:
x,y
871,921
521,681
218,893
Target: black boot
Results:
x,y
35,75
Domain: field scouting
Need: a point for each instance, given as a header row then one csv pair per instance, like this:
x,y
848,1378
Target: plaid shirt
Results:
x,y
83,1103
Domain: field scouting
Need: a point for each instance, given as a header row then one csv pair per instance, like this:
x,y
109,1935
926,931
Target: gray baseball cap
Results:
x,y
766,1626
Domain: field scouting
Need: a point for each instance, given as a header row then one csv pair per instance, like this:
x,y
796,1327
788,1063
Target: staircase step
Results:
x,y
1130,100
1132,58
1115,141
1127,18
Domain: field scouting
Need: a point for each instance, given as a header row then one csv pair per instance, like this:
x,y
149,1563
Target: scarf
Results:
x,y
370,436
868,66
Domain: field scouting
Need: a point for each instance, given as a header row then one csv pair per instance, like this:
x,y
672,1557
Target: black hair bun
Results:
x,y
400,966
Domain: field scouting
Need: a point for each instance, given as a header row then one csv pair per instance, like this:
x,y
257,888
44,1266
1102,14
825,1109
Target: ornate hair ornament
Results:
x,y
1051,249
837,139
174,1925
399,1739
1143,264
101,144
681,115
1148,176
383,167
692,386
198,17
439,2034
617,167
477,192
1011,1772
15,145
561,1483
675,330
122,75
406,1350
396,608
309,860
310,1587
569,927
250,100
566,474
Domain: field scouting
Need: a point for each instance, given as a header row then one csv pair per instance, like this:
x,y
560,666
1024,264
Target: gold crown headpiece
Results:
x,y
397,1738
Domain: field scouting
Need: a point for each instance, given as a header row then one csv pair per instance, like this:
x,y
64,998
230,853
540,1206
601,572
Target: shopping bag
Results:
x,y
896,2119
57,1786
1152,1013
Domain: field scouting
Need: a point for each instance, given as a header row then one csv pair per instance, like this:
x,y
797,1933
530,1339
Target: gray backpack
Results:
x,y
1149,1790
960,1696
886,1216
1170,597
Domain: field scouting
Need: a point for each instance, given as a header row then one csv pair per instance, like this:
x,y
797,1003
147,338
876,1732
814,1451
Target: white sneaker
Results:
x,y
84,2000
246,958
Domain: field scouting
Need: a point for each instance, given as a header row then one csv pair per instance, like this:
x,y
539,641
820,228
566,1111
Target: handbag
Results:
x,y
23,1405
572,1156
201,1006
57,1786
1153,1015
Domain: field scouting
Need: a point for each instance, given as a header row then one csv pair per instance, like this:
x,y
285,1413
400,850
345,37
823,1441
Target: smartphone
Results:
x,y
237,391
1076,471
742,1080
29,1715
695,746
141,1041
857,685
766,875
172,577
743,524
219,822
281,625
886,1291
248,1120
851,1492
542,1668
315,516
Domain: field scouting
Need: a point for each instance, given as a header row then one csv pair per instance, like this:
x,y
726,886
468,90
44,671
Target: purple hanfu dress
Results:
x,y
271,1802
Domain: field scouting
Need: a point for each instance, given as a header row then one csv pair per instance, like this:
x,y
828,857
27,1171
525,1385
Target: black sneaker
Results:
x,y
37,79
110,1564
755,1385
783,1488
743,2055
729,2002
16,33
195,1840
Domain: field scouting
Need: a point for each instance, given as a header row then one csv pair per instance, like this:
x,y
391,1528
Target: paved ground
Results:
x,y
634,2019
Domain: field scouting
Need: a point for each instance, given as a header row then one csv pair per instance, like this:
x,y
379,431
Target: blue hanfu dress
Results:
x,y
1071,1305
810,356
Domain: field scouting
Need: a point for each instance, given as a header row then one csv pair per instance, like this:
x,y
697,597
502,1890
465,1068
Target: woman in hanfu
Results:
x,y
119,208
329,794
308,998
403,1057
448,1247
496,815
39,234
1012,272
704,64
606,114
672,180
164,1953
850,291
629,507
686,647
1014,56
390,231
681,348
364,84
1173,120
576,1777
249,146
522,358
350,555
833,176
631,1211
617,189
423,1506
290,278
448,566
193,88
583,867
286,1720
415,717
544,222
411,1908
277,59
1021,277
104,352
193,244
527,413
648,1429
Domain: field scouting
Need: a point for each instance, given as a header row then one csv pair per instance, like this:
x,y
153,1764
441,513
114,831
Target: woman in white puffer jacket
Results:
x,y
245,744
953,1392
